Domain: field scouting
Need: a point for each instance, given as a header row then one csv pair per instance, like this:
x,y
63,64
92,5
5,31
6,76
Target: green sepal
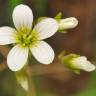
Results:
x,y
58,16
66,61
62,31
77,71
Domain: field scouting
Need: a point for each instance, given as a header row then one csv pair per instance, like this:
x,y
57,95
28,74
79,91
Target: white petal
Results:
x,y
46,28
43,52
68,23
24,84
84,64
7,35
22,16
17,58
90,67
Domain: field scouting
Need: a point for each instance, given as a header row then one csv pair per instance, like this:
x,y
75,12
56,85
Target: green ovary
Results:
x,y
27,38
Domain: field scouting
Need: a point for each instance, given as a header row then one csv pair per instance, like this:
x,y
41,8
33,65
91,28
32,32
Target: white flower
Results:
x,y
25,38
83,64
68,23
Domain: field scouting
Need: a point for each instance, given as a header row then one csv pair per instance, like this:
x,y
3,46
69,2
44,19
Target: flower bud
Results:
x,y
76,62
68,23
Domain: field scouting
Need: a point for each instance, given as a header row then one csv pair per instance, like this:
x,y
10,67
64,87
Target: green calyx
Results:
x,y
58,17
67,61
27,38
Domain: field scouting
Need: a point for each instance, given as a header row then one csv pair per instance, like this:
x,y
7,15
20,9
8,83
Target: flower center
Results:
x,y
26,37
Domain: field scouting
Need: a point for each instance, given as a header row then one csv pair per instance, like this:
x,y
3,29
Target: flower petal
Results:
x,y
17,58
22,16
22,79
7,35
90,67
43,52
84,64
46,28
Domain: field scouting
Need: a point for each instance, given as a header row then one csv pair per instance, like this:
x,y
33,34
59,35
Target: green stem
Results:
x,y
31,90
31,84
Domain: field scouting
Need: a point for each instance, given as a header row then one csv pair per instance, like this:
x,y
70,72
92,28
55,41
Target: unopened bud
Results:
x,y
68,23
76,63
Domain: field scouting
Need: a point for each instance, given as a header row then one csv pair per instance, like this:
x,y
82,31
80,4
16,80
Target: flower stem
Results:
x,y
31,90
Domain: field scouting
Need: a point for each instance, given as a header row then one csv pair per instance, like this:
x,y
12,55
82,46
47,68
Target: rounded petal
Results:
x,y
46,28
68,23
7,35
90,67
84,64
17,58
43,52
22,17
